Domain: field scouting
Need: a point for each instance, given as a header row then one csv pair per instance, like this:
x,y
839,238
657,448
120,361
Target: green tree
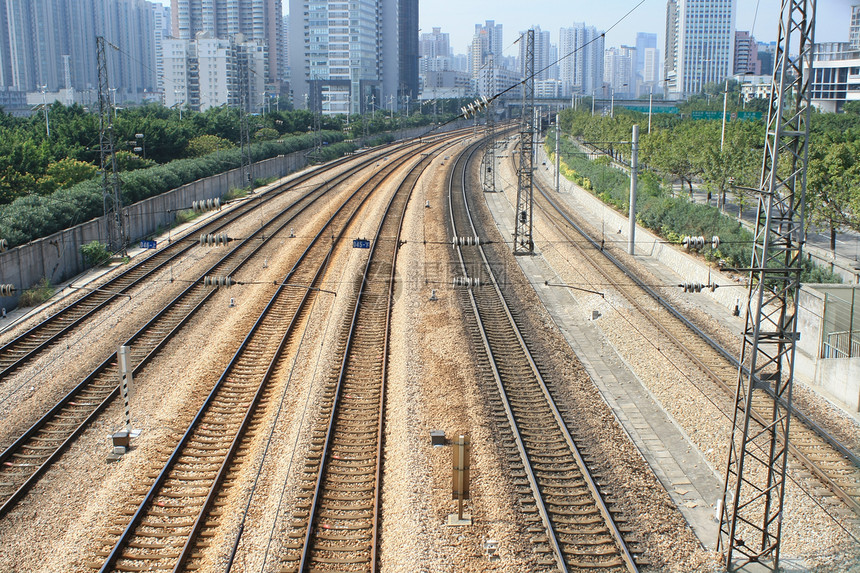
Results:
x,y
833,187
206,144
65,173
266,134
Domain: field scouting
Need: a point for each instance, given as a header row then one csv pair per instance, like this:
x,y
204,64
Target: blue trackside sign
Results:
x,y
148,245
360,244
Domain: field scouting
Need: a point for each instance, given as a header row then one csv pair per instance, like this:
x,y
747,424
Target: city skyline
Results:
x,y
650,17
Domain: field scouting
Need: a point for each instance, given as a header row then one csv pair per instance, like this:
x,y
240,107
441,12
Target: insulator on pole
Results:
x,y
7,290
213,239
217,281
715,242
4,245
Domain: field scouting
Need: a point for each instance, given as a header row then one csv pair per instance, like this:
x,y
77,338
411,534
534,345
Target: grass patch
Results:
x,y
184,216
235,193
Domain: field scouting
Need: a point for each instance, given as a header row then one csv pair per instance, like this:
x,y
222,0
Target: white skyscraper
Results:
x,y
618,66
580,49
545,56
344,54
257,20
699,44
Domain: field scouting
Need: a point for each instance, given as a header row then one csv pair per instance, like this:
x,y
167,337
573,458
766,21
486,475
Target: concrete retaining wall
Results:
x,y
57,257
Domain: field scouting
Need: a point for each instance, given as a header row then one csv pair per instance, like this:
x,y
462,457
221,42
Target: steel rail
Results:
x,y
406,187
103,395
624,553
20,349
820,473
360,196
252,244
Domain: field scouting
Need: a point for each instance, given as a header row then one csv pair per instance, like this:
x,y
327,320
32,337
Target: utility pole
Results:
x,y
111,193
751,508
557,160
634,176
725,103
523,243
650,108
244,126
490,156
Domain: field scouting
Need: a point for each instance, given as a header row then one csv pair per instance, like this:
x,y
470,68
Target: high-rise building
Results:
x,y
854,29
651,69
346,54
546,55
618,70
209,72
256,20
746,54
407,30
434,51
487,41
435,44
39,33
766,53
5,56
581,60
699,44
644,41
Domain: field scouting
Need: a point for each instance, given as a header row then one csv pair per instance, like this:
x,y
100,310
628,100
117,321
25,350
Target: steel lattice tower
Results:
x,y
523,243
751,510
490,156
116,233
244,127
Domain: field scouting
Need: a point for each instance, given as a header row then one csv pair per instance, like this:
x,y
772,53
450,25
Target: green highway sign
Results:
x,y
753,115
644,109
708,115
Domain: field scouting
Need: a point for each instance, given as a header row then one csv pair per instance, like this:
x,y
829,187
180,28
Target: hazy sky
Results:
x,y
458,18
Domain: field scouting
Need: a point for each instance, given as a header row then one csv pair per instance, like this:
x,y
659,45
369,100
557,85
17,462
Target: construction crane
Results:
x,y
751,508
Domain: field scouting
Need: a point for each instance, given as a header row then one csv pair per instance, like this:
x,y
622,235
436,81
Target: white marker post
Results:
x,y
126,382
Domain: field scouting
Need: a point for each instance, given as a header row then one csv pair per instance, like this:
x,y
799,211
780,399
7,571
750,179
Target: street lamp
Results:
x,y
140,144
113,93
45,107
178,103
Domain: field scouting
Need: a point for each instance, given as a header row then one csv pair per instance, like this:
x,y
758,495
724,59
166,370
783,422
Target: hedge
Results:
x,y
34,216
671,217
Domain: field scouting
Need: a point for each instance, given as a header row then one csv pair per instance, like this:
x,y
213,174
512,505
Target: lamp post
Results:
x,y
45,107
176,92
725,102
650,107
113,94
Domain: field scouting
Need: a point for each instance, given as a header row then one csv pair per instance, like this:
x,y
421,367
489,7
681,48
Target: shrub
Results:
x,y
37,294
95,253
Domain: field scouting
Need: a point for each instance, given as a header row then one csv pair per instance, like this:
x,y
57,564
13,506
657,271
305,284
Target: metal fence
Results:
x,y
840,336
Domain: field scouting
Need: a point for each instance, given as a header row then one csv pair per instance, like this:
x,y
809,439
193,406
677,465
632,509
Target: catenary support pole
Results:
x,y
634,165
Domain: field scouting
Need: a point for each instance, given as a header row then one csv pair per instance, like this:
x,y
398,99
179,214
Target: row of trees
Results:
x,y
685,151
33,163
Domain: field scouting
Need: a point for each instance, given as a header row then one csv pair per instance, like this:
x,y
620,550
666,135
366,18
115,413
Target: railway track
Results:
x,y
171,525
335,527
574,527
23,462
28,345
833,464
